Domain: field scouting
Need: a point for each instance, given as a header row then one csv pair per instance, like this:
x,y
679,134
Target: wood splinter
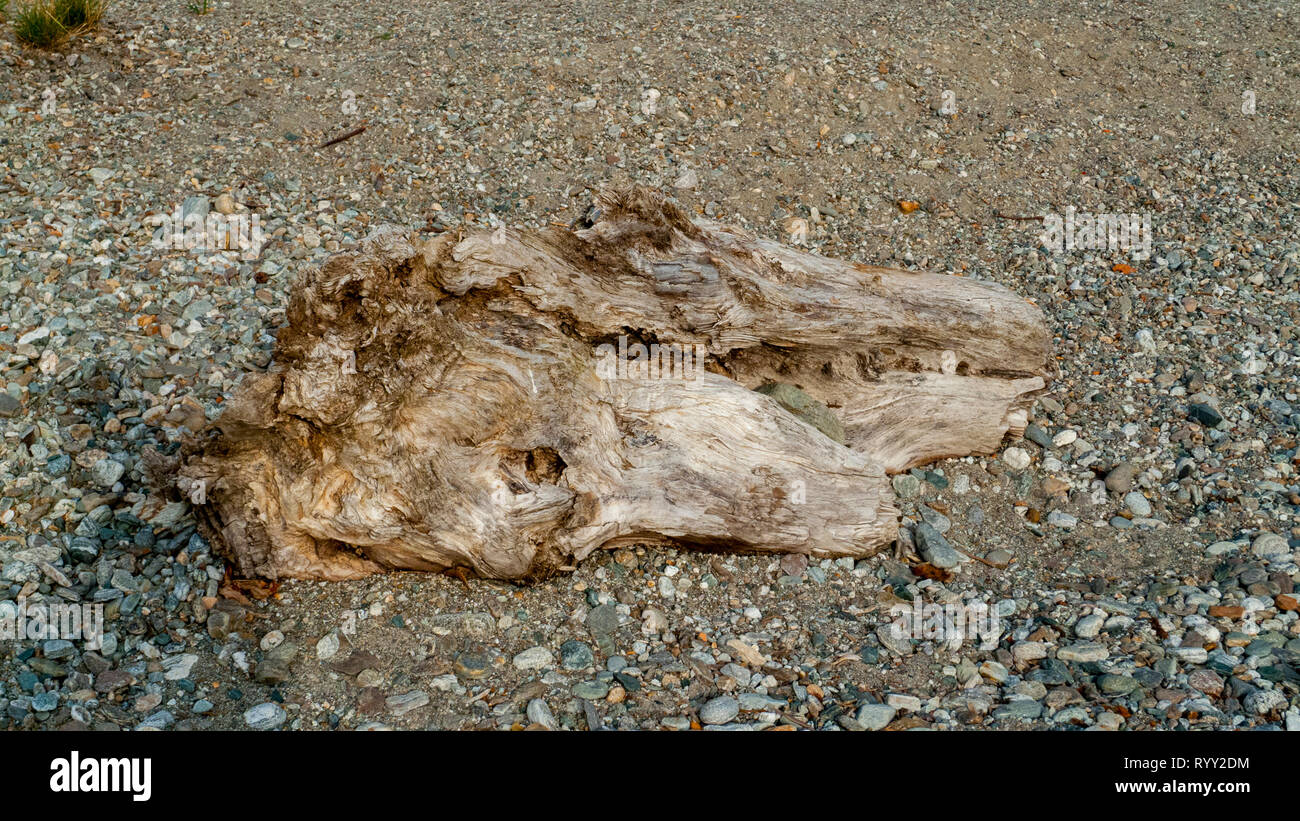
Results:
x,y
506,402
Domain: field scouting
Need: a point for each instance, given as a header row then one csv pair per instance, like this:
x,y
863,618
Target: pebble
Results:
x,y
1269,546
875,716
591,690
1114,684
1120,478
1065,438
1089,627
574,655
602,620
106,472
1204,414
472,665
271,640
1137,504
402,704
904,701
906,486
934,548
534,658
1016,458
1059,518
1021,709
653,621
1083,652
265,716
999,557
328,646
1038,436
45,702
719,710
178,667
540,713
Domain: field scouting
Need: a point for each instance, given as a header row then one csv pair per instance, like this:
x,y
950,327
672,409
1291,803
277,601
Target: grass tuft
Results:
x,y
79,15
48,23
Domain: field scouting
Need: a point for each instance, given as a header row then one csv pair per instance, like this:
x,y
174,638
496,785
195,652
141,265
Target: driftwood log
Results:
x,y
506,402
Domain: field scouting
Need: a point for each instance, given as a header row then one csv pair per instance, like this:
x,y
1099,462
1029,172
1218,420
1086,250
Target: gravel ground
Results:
x,y
1139,548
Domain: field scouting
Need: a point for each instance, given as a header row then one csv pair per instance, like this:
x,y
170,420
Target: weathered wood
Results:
x,y
462,404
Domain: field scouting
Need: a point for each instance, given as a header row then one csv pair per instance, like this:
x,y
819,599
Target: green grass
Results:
x,y
37,26
48,23
79,15
200,6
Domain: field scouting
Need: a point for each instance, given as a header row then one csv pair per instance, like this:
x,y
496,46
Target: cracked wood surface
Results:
x,y
441,405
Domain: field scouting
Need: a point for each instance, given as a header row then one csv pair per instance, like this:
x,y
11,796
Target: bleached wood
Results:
x,y
443,405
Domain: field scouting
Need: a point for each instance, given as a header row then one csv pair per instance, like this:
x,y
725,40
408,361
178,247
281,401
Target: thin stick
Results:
x,y
977,558
1001,215
354,132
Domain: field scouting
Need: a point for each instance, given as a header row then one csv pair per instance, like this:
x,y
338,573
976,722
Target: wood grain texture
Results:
x,y
447,404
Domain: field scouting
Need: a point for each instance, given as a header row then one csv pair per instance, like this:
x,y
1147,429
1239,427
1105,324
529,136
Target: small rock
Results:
x,y
534,658
271,640
719,710
906,486
1065,437
539,712
1269,546
1117,685
328,646
875,716
1089,626
218,625
999,557
1207,681
1120,478
1137,504
106,472
178,667
1204,414
1084,651
1059,518
591,690
934,548
405,703
602,620
265,716
653,622
1016,458
574,655
1038,436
